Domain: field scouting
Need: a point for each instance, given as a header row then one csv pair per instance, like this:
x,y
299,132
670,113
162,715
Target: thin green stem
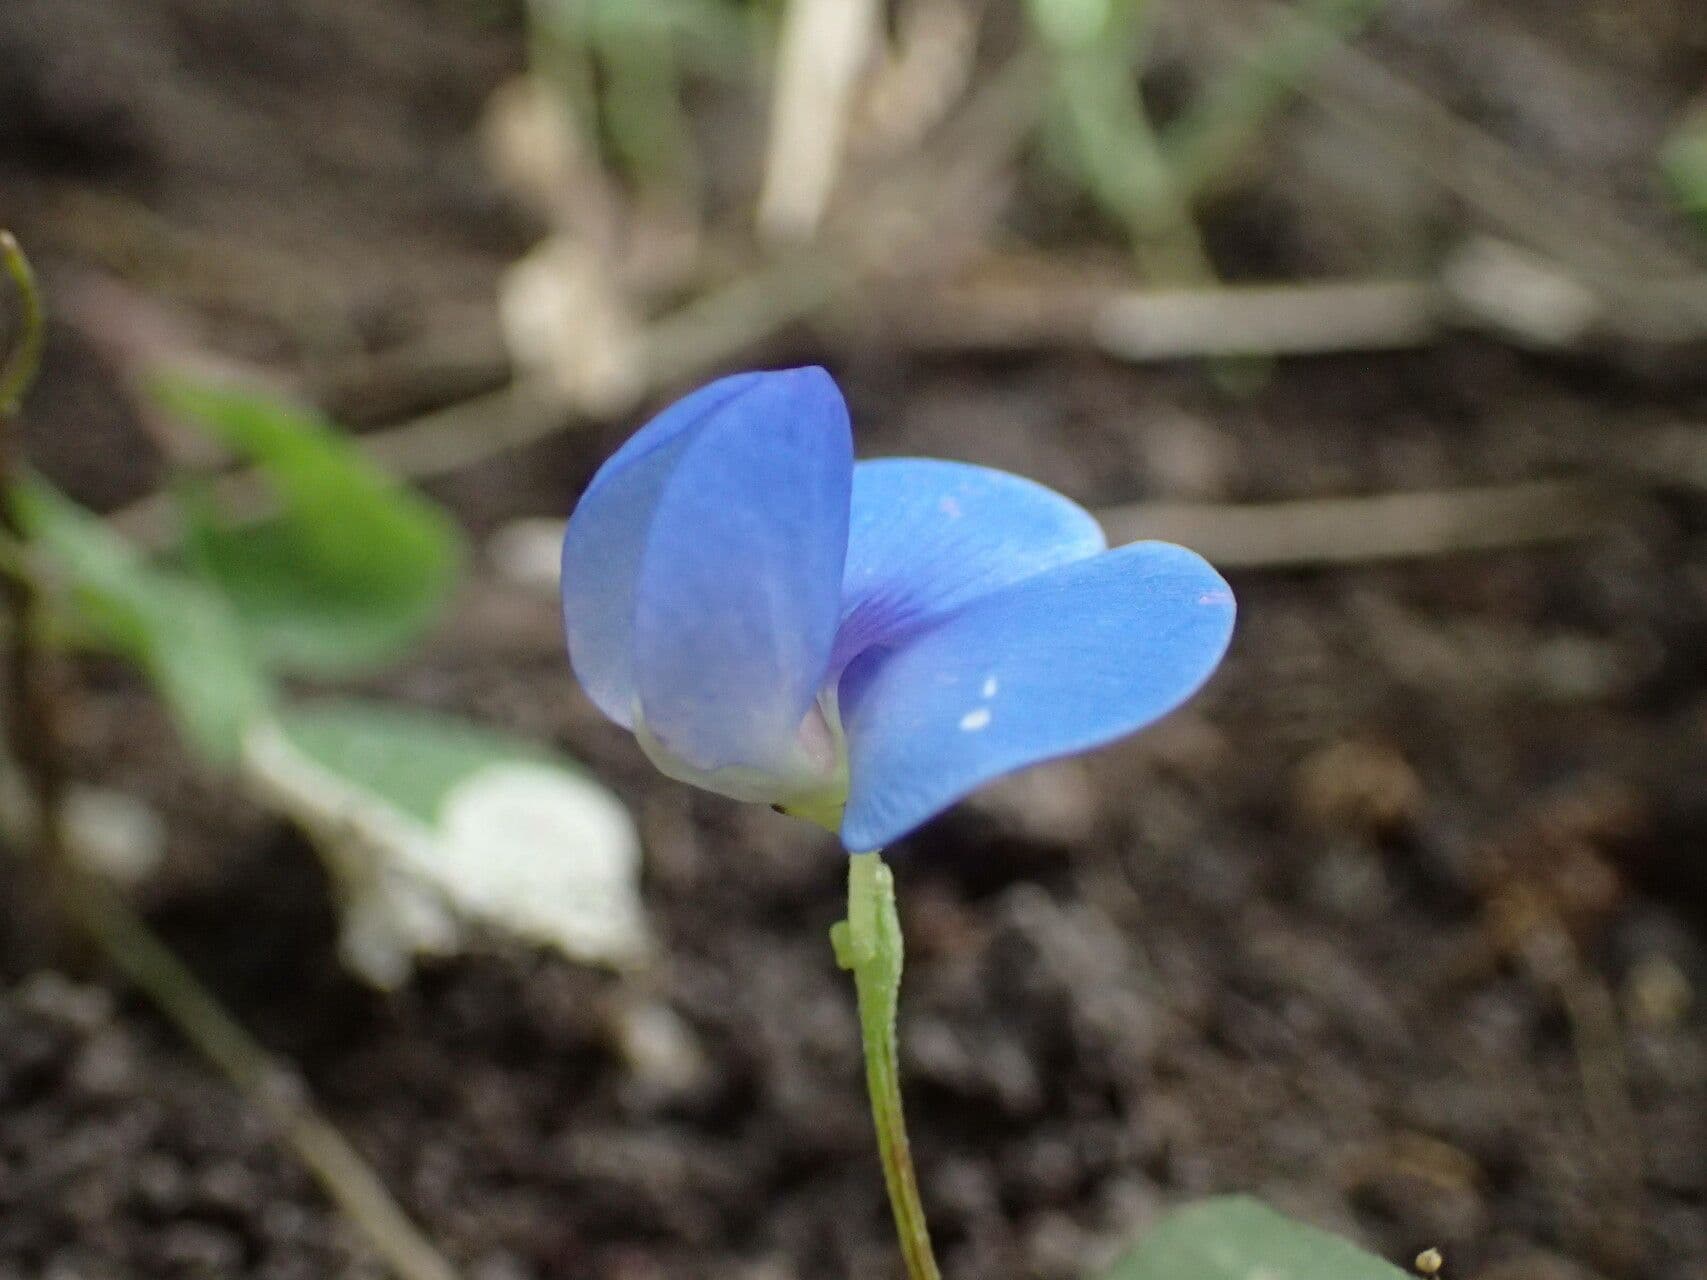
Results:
x,y
1116,148
23,361
33,713
868,944
647,124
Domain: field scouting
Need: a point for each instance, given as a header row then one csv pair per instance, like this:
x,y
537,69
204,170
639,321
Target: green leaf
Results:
x,y
1075,24
1684,163
408,758
353,569
430,824
181,634
1237,1238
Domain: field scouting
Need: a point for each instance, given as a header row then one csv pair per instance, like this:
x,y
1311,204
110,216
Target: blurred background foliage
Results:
x,y
1396,308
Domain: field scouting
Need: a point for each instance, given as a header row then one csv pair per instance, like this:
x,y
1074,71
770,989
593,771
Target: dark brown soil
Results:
x,y
1328,936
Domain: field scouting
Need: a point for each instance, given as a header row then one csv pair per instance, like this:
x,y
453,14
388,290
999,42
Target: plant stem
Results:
x,y
868,944
18,370
1118,153
33,720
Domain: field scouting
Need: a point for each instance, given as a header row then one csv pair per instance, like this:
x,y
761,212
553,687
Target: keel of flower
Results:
x,y
807,779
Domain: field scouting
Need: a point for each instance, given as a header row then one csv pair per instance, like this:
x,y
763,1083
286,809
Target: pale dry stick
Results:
x,y
1286,320
1310,318
824,46
1486,287
536,138
1393,526
921,76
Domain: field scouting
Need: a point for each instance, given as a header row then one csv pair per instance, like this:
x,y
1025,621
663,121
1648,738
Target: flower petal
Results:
x,y
926,537
739,585
607,533
1062,662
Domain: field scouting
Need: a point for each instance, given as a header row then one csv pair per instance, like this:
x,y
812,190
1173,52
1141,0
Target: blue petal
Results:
x,y
739,583
926,537
1062,662
607,533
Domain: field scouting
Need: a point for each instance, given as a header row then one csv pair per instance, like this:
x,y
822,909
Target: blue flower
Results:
x,y
861,644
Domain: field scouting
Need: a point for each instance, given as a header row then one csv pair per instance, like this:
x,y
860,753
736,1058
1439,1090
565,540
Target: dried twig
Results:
x,y
1394,526
1063,311
1487,287
1286,320
824,46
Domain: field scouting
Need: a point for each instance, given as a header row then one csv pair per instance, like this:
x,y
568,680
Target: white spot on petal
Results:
x,y
990,686
973,721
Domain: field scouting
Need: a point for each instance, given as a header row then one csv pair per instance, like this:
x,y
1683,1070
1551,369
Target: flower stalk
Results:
x,y
868,944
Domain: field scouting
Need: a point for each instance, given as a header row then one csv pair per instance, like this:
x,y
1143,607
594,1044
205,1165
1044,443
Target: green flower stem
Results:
x,y
868,944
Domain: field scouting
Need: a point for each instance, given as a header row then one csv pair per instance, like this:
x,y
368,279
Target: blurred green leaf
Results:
x,y
1077,24
183,635
430,824
1684,163
351,571
410,758
1237,1238
712,36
